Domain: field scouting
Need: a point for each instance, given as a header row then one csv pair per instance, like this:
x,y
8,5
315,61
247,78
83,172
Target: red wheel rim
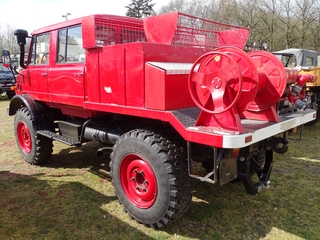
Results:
x,y
138,181
24,137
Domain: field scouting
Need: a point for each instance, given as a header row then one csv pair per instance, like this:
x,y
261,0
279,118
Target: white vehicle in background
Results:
x,y
307,62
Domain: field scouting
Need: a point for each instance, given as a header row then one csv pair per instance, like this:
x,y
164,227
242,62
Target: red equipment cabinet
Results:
x,y
163,94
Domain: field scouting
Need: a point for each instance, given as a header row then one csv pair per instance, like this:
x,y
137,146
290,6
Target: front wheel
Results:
x,y
34,149
149,174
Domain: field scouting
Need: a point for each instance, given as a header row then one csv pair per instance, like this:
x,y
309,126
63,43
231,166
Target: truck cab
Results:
x,y
294,57
306,62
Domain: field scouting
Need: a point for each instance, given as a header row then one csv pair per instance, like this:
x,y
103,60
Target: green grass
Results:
x,y
71,197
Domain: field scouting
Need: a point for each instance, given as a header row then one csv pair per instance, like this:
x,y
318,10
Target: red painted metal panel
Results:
x,y
119,71
92,80
166,92
88,31
161,29
176,92
168,53
65,80
66,84
112,78
35,82
155,85
135,58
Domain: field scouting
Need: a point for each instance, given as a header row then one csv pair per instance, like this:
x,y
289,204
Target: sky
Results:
x,y
33,14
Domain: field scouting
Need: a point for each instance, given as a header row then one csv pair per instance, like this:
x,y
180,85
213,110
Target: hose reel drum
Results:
x,y
229,84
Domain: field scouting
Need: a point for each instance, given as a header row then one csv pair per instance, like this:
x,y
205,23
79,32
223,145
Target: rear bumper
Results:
x,y
254,130
259,130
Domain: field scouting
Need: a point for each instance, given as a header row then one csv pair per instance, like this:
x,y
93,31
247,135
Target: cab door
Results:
x,y
36,74
66,75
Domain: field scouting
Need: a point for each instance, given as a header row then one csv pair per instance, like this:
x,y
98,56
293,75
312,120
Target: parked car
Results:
x,y
7,81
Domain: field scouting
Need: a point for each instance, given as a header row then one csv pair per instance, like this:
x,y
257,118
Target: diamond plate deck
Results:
x,y
189,116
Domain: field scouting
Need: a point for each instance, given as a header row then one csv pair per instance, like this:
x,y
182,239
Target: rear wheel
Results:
x,y
149,174
34,149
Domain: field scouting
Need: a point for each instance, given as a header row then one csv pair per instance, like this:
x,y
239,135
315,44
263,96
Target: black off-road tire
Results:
x,y
34,149
150,177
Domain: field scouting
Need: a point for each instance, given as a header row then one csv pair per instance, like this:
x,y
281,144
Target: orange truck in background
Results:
x,y
306,62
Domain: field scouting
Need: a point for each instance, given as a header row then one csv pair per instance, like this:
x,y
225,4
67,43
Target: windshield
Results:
x,y
3,68
287,60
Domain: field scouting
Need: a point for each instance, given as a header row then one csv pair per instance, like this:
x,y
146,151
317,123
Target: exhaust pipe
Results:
x,y
100,151
105,135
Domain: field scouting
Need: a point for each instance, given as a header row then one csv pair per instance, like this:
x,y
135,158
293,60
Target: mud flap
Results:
x,y
228,170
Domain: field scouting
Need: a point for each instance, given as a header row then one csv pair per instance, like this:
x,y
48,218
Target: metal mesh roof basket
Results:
x,y
184,30
110,31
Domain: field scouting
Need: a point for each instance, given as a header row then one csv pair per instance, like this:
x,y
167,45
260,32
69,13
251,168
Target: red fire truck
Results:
x,y
173,97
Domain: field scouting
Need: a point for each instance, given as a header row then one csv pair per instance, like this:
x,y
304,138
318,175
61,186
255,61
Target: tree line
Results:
x,y
7,39
282,23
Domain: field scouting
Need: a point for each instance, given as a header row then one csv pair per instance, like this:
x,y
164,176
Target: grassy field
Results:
x,y
71,197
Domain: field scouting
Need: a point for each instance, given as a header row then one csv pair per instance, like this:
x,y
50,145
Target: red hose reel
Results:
x,y
229,84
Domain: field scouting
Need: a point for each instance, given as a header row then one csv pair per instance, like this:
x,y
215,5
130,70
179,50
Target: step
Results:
x,y
59,138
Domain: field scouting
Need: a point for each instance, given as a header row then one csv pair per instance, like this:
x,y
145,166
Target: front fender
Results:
x,y
39,112
24,100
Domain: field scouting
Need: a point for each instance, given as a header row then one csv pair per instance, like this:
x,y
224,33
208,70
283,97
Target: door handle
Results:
x,y
79,74
44,74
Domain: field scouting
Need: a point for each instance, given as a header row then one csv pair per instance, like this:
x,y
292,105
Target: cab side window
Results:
x,y
310,61
70,45
40,49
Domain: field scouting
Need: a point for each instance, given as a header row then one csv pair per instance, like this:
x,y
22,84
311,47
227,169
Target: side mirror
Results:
x,y
6,60
21,36
264,45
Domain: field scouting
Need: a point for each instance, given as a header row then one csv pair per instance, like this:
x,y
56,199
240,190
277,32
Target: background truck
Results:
x,y
172,97
306,62
7,81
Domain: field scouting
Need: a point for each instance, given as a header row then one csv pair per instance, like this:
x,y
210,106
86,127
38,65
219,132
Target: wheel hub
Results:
x,y
138,181
24,138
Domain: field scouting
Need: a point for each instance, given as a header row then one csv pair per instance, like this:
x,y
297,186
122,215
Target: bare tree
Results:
x,y
283,23
269,22
249,16
316,30
7,39
225,11
191,7
290,21
309,16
